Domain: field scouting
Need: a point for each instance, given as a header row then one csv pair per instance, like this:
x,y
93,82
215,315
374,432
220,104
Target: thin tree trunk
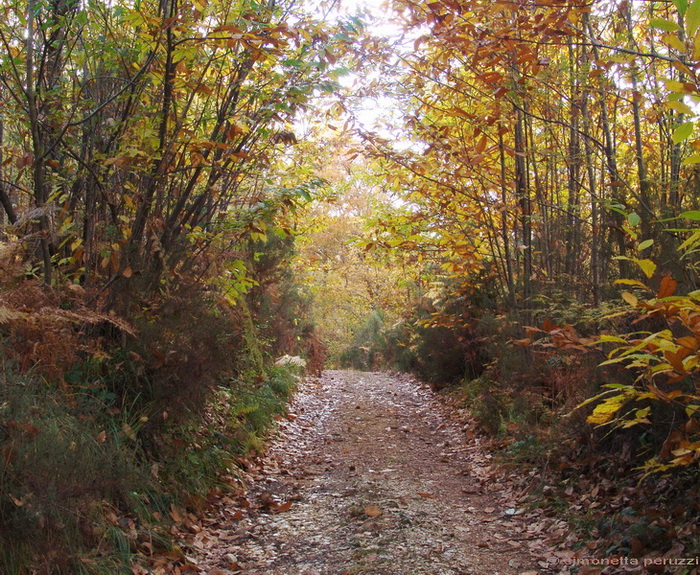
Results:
x,y
523,196
4,196
504,220
617,220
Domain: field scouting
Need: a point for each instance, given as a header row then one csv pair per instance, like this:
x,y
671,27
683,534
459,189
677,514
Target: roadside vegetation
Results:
x,y
190,190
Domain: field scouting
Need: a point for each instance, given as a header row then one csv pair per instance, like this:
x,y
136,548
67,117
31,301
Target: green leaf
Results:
x,y
691,215
633,219
683,132
692,18
614,387
645,244
690,160
691,241
665,25
619,386
610,339
681,6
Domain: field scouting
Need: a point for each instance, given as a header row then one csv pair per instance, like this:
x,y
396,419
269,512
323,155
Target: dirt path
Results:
x,y
369,477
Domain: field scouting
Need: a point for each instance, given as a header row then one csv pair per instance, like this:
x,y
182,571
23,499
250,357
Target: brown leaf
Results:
x,y
175,514
267,500
426,495
667,287
284,507
637,546
372,511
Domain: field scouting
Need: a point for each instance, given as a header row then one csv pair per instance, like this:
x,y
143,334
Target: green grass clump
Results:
x,y
64,478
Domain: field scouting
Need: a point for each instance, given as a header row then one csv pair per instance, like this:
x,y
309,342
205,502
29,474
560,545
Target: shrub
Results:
x,y
664,396
62,476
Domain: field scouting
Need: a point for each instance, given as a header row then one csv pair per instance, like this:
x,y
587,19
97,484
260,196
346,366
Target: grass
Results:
x,y
85,482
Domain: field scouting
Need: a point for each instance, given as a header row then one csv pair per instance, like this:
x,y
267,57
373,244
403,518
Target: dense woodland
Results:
x,y
499,196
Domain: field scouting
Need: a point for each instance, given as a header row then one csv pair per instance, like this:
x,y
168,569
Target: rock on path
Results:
x,y
369,477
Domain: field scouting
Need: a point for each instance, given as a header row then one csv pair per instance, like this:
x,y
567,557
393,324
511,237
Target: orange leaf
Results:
x,y
667,287
676,359
426,495
372,511
689,342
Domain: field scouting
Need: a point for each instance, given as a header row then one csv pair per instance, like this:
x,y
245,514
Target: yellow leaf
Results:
x,y
605,411
674,85
648,267
635,283
631,299
674,42
681,107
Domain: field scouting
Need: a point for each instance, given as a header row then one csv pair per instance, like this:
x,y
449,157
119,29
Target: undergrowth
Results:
x,y
102,445
84,485
531,401
65,479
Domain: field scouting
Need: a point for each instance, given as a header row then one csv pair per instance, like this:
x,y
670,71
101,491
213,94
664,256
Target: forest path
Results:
x,y
369,476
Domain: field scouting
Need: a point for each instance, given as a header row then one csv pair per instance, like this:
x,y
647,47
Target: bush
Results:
x,y
64,476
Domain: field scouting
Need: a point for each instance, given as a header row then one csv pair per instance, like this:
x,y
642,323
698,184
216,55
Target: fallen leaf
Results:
x,y
372,511
175,514
426,495
284,507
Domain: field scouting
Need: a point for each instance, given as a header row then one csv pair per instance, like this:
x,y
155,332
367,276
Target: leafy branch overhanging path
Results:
x,y
368,475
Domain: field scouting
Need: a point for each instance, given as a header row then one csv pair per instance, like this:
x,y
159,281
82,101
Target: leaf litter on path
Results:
x,y
371,477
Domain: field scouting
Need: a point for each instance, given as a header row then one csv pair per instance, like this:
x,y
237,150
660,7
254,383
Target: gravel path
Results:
x,y
369,476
